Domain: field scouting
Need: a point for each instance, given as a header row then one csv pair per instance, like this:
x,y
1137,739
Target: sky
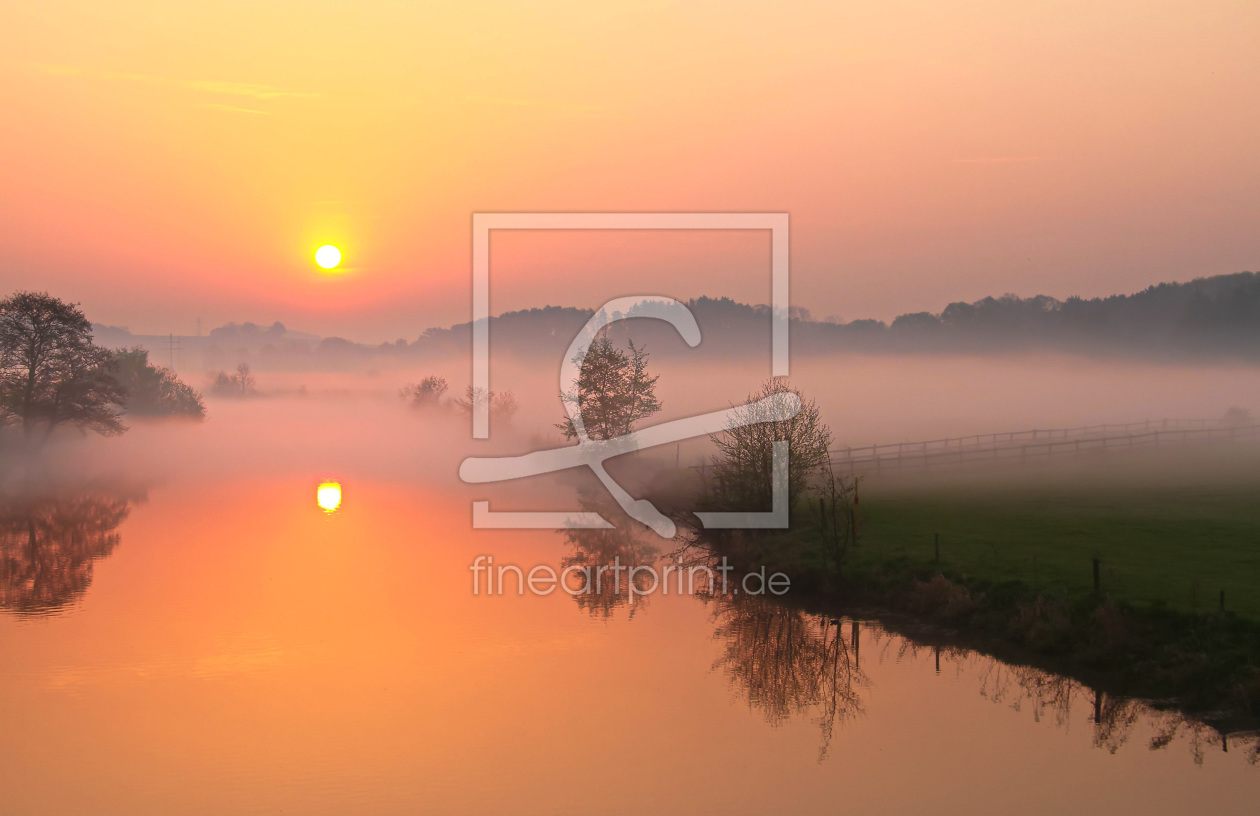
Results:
x,y
168,163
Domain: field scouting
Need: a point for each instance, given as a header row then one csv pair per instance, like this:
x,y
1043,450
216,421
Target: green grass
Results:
x,y
1016,569
1170,526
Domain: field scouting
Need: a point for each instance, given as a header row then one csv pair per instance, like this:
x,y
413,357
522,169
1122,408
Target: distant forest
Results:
x,y
1216,317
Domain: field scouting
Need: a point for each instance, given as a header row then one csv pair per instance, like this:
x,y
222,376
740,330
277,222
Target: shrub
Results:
x,y
154,390
502,403
744,466
240,383
425,394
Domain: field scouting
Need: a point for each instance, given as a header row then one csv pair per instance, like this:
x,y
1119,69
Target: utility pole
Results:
x,y
857,480
172,344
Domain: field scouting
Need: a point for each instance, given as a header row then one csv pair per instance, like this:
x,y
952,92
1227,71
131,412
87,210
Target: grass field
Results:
x,y
1175,525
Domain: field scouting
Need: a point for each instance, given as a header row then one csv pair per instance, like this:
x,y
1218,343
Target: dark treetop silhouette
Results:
x,y
154,390
51,373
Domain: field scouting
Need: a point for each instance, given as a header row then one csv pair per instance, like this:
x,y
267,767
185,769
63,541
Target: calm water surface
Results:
x,y
224,645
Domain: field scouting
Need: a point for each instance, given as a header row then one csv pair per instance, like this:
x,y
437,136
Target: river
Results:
x,y
210,639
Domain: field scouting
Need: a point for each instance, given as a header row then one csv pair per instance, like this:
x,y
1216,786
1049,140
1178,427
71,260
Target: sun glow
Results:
x,y
328,256
328,496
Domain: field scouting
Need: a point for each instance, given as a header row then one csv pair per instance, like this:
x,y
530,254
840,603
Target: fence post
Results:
x,y
1098,578
857,480
936,542
1222,600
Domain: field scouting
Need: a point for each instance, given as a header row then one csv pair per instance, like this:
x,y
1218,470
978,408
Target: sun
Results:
x,y
328,256
328,496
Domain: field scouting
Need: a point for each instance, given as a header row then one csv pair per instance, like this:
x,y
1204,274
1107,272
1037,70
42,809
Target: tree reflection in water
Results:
x,y
786,662
49,540
624,546
1113,718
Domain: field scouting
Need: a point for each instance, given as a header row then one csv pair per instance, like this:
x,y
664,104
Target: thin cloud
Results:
x,y
234,109
515,102
246,89
999,160
249,90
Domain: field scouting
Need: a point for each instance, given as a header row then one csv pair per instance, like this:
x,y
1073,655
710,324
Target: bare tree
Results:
x,y
240,383
502,404
425,394
744,465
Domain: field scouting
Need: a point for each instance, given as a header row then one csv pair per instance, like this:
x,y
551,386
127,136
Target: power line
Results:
x,y
172,344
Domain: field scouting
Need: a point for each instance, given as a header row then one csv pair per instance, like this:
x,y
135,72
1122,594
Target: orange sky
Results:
x,y
168,161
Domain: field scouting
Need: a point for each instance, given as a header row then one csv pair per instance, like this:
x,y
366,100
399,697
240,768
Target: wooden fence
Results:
x,y
1042,443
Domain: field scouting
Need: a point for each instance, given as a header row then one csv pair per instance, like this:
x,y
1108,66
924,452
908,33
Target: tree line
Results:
x,y
53,375
1213,316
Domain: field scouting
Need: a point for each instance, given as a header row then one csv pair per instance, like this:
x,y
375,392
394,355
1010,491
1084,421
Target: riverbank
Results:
x,y
1207,664
1007,561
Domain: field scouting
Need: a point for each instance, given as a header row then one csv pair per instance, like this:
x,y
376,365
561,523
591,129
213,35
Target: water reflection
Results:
x,y
49,540
784,661
1114,718
787,662
623,547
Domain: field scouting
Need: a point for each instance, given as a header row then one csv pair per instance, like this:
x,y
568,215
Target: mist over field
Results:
x,y
317,421
1169,352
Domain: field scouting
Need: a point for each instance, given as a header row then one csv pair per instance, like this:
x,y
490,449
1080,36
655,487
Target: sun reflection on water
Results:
x,y
328,496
